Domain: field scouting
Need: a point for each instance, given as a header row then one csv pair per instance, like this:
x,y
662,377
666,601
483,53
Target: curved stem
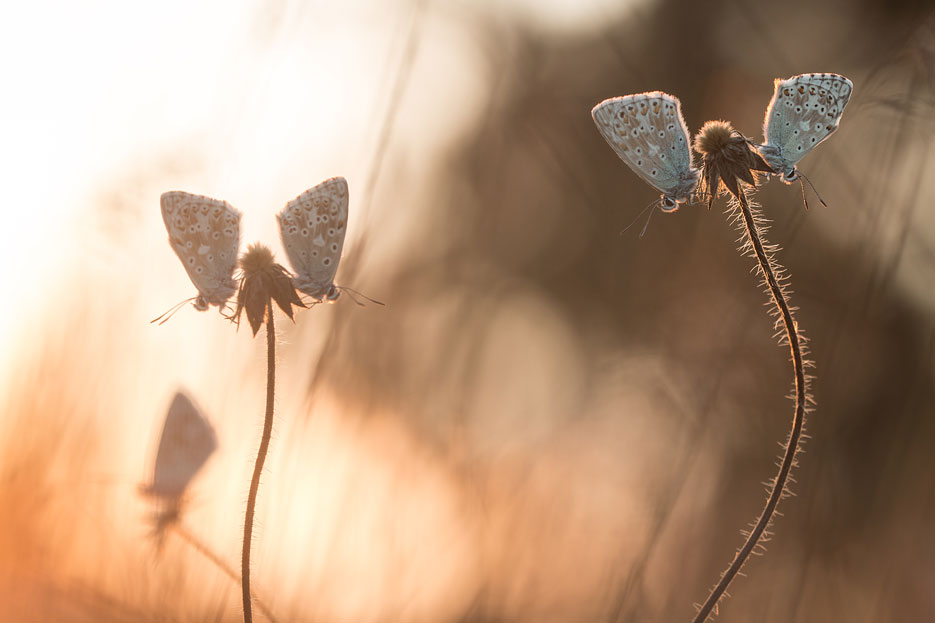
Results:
x,y
798,418
260,459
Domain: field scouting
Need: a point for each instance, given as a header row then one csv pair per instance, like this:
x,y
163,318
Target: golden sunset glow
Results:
x,y
546,421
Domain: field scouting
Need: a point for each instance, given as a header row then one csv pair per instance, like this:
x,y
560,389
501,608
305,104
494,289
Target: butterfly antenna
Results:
x,y
351,293
814,190
171,312
638,216
646,226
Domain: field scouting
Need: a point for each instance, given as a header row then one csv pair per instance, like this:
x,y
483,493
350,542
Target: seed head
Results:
x,y
727,157
263,279
257,259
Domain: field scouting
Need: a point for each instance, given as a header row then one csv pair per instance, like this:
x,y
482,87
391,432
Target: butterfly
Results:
x,y
805,110
205,234
187,442
312,227
649,134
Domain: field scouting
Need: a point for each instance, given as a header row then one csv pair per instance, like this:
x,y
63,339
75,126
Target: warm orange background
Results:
x,y
547,421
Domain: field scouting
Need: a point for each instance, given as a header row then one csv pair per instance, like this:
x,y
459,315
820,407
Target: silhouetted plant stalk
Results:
x,y
729,160
203,549
169,517
264,281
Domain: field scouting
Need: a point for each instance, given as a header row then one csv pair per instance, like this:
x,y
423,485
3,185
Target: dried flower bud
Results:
x,y
263,279
727,157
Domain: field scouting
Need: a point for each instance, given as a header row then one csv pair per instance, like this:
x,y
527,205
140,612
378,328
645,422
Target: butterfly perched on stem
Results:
x,y
805,110
312,227
648,133
205,235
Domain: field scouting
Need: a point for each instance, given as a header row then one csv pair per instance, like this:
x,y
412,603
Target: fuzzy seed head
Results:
x,y
257,258
713,137
263,281
727,158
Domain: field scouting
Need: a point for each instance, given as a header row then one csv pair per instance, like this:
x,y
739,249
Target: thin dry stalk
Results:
x,y
264,282
752,224
260,459
203,549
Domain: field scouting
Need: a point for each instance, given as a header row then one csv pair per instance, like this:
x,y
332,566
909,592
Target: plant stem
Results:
x,y
769,270
260,459
202,548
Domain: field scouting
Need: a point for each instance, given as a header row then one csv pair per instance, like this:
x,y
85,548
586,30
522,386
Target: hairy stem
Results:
x,y
768,270
260,459
202,548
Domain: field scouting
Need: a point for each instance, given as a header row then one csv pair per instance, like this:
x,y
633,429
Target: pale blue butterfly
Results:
x,y
205,234
188,441
649,134
312,227
805,110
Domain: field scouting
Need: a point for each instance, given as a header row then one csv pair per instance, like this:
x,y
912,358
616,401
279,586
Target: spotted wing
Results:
x,y
648,132
312,227
187,442
804,111
205,234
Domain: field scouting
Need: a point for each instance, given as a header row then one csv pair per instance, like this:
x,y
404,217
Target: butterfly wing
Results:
x,y
187,442
648,132
312,227
205,234
805,110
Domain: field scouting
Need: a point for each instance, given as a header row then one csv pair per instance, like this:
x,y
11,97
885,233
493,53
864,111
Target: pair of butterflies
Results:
x,y
649,134
205,234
